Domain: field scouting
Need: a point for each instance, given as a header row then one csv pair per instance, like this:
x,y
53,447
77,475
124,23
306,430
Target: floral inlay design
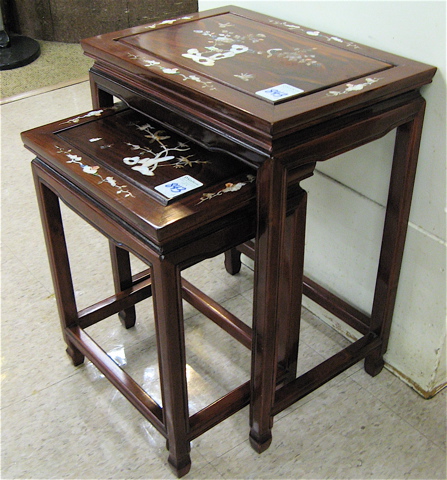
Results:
x,y
199,57
94,170
350,87
315,33
298,55
219,48
166,22
245,76
102,147
94,113
219,42
229,187
173,71
150,158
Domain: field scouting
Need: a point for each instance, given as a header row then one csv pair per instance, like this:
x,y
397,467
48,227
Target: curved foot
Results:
x,y
181,467
258,445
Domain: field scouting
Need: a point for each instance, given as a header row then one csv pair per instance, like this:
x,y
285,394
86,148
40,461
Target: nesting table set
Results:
x,y
246,106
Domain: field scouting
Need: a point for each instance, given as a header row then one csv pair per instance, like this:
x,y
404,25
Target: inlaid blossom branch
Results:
x,y
186,162
166,22
227,37
290,26
173,71
245,76
93,170
152,157
350,87
314,33
242,44
298,55
229,187
94,113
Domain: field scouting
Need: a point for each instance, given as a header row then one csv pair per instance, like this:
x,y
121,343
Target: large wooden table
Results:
x,y
281,97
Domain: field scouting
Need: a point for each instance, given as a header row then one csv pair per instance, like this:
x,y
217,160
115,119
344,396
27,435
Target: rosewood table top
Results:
x,y
248,75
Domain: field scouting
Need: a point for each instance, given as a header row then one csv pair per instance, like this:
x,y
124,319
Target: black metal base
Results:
x,y
19,52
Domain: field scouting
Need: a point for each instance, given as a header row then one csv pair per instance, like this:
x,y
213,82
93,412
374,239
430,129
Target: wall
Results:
x,y
347,195
72,20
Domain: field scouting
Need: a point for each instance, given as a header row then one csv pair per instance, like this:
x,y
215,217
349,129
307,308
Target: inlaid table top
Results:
x,y
252,74
162,185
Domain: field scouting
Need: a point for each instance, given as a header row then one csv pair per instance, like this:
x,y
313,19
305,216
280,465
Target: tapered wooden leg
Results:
x,y
59,263
166,284
270,230
233,261
291,286
122,279
396,222
278,287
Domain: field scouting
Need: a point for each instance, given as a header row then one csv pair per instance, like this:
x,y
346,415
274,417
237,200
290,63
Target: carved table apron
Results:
x,y
280,97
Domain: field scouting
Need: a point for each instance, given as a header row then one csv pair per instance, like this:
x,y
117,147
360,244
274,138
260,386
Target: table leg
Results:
x,y
122,273
396,222
233,261
291,286
167,296
100,98
122,278
53,228
273,252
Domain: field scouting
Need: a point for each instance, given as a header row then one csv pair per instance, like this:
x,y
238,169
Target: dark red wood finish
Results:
x,y
90,174
201,74
148,61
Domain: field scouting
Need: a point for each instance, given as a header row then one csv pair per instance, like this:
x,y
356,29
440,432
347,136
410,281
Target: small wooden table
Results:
x,y
281,97
170,203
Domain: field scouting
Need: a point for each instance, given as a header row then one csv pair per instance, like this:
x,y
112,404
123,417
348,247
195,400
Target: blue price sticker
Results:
x,y
279,92
275,93
178,186
175,187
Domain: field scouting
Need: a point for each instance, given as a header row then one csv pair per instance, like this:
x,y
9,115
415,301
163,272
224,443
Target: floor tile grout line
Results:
x,y
43,90
391,409
307,398
43,389
24,265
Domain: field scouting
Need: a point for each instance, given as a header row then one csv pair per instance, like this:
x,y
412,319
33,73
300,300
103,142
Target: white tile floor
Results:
x,y
64,422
